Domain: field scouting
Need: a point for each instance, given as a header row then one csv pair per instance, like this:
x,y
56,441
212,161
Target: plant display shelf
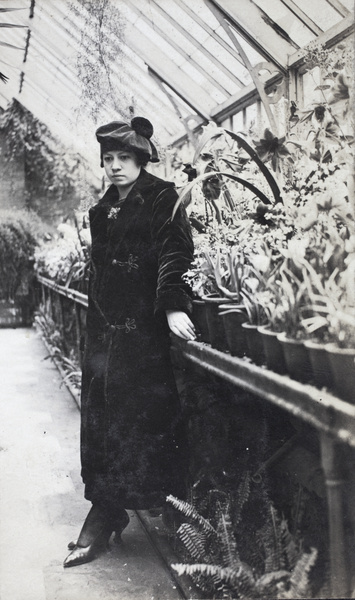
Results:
x,y
318,408
68,292
333,419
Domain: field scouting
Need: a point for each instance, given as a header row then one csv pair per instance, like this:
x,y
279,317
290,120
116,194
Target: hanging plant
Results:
x,y
99,52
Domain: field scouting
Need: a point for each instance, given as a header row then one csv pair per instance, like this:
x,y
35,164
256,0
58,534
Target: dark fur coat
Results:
x,y
133,448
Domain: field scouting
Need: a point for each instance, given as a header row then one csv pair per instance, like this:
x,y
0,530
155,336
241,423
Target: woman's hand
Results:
x,y
180,324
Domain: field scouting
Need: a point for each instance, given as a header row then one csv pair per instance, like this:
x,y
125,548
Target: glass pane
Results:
x,y
238,125
228,60
161,43
287,20
253,56
181,17
211,91
228,84
349,4
320,12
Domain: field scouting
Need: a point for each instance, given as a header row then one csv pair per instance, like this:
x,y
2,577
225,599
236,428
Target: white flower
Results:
x,y
260,262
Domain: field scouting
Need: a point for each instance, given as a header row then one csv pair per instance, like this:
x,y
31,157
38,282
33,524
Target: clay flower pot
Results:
x,y
232,316
296,358
215,326
255,348
274,356
199,319
342,364
319,359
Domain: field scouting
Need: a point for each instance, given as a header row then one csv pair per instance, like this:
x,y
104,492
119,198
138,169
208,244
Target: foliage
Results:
x,y
49,167
280,569
100,51
64,356
309,167
20,233
66,258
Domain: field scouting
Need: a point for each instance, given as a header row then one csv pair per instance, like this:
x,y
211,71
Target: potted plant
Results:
x,y
200,285
272,306
233,313
334,322
292,296
217,275
256,317
317,324
341,348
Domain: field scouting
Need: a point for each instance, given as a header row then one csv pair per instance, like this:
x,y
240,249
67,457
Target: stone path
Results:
x,y
41,493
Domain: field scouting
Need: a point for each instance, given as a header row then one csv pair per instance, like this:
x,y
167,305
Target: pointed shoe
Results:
x,y
119,527
81,555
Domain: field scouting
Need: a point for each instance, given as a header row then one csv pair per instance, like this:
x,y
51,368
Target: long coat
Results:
x,y
133,448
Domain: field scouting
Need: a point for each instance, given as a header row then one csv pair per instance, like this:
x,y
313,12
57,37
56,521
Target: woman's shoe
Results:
x,y
94,535
118,526
84,554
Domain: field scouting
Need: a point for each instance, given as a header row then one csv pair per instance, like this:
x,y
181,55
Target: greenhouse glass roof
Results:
x,y
175,61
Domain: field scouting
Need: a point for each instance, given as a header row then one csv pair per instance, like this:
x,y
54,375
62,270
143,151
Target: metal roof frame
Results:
x,y
162,87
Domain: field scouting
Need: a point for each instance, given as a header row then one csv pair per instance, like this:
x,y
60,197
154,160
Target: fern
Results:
x,y
289,545
194,541
281,571
299,581
269,538
240,581
242,496
269,584
228,545
191,513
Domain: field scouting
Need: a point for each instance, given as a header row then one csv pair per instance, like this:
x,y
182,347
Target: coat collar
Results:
x,y
146,183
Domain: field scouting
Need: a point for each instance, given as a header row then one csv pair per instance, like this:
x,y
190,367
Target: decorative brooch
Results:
x,y
113,212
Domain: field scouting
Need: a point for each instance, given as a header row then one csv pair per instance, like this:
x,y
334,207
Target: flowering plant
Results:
x,y
65,258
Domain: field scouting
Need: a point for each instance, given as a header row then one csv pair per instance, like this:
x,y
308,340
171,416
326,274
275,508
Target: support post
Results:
x,y
331,456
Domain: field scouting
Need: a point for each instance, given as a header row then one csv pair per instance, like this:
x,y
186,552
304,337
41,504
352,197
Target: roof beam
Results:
x,y
116,70
275,26
328,38
195,42
180,50
260,86
241,16
302,16
161,105
183,86
339,7
242,99
189,132
232,51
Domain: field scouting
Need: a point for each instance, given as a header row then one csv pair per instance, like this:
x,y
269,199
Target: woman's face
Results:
x,y
121,168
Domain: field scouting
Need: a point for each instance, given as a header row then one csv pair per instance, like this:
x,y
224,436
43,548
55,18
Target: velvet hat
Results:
x,y
135,136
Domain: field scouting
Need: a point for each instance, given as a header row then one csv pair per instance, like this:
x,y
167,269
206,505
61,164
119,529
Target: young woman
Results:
x,y
133,449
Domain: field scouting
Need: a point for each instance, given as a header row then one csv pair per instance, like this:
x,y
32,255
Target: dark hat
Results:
x,y
135,136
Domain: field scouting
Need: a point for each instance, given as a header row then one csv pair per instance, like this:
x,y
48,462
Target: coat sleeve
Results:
x,y
173,241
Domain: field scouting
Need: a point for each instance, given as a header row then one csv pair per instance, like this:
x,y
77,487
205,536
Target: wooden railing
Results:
x,y
332,419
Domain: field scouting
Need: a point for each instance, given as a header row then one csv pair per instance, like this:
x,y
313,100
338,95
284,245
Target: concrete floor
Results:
x,y
41,493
